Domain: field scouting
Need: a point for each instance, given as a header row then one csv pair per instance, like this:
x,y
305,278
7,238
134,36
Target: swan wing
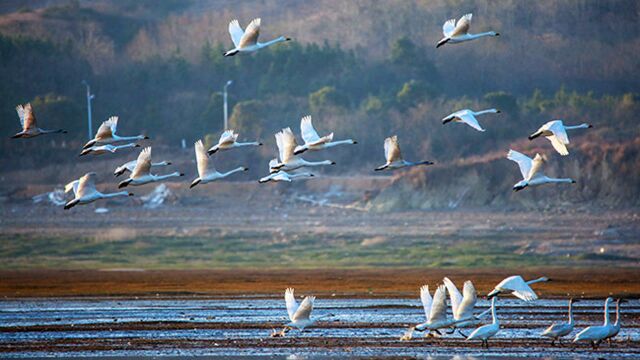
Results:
x,y
286,142
309,134
448,27
536,167
462,26
558,145
426,300
236,32
519,287
86,185
143,163
292,304
107,128
227,137
27,117
469,119
465,310
202,159
304,310
523,161
392,149
557,128
250,36
439,305
72,186
454,295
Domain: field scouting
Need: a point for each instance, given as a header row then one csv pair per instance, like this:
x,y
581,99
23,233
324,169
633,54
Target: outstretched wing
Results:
x,y
286,142
454,295
536,167
392,149
519,288
143,164
227,137
72,186
470,120
465,310
448,27
86,185
557,144
439,305
305,308
202,160
426,300
236,32
290,300
250,36
462,26
309,134
523,161
107,128
27,117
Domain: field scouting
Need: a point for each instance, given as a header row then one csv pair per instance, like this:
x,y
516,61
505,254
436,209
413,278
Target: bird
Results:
x,y
284,176
459,32
556,132
299,315
85,191
531,170
558,330
286,142
394,156
615,329
485,332
462,306
435,310
247,40
106,134
29,126
228,140
103,149
129,166
312,141
518,287
206,171
595,334
141,173
468,117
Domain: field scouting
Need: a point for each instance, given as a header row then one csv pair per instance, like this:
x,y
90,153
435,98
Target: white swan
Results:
x,y
435,310
141,173
518,287
129,166
615,329
29,126
206,171
468,117
284,176
106,134
556,132
286,142
247,40
108,148
462,306
595,334
394,156
85,191
531,170
485,332
299,315
312,141
558,330
459,32
228,140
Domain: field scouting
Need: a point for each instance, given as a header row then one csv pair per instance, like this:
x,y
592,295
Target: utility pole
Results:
x,y
226,114
90,97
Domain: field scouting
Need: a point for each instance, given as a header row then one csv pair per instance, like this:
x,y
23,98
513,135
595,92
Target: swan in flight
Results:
x,y
462,306
312,141
206,171
106,134
299,315
435,310
141,173
129,166
615,329
108,148
284,176
394,156
595,334
286,142
531,170
468,117
459,32
29,126
485,332
556,132
518,287
85,191
228,140
558,330
247,40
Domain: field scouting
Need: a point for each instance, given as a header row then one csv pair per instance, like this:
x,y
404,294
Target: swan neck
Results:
x,y
493,311
570,312
116,194
606,313
478,35
581,126
233,171
486,111
274,41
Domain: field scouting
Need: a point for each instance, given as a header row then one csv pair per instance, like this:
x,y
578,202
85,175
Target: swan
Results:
x,y
462,306
394,156
558,330
556,132
458,32
531,170
312,141
141,173
247,40
435,310
106,134
286,142
29,126
485,332
228,140
206,171
518,287
615,329
129,166
85,191
299,315
468,117
284,176
595,334
103,149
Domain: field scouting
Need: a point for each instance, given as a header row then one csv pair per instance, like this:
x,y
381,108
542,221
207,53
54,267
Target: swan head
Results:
x,y
493,33
589,126
544,278
136,145
519,187
573,301
287,38
145,137
130,194
245,169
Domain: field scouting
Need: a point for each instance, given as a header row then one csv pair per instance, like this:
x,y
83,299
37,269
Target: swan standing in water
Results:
x,y
531,170
108,148
556,132
518,287
29,126
247,40
615,329
85,191
459,32
468,117
462,306
394,156
228,140
312,141
595,334
106,134
129,166
485,332
286,142
206,171
558,330
141,173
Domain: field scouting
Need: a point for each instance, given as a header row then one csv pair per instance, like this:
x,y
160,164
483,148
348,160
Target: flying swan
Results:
x,y
468,117
556,132
312,141
29,126
518,287
141,173
106,134
459,32
394,156
247,41
85,191
228,140
206,171
286,142
531,170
